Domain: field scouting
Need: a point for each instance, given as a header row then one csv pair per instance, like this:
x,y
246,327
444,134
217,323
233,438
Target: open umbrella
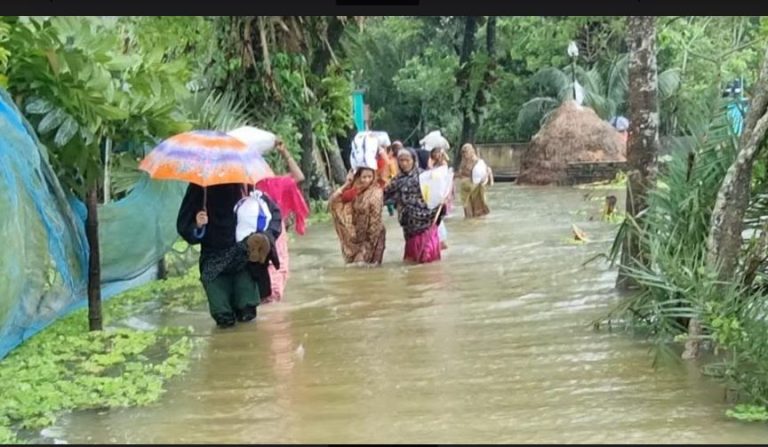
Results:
x,y
206,158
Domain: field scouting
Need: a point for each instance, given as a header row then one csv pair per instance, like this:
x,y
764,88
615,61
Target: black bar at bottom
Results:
x,y
377,2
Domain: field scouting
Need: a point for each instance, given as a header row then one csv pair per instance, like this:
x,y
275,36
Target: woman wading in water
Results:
x,y
422,244
234,274
356,209
474,178
284,190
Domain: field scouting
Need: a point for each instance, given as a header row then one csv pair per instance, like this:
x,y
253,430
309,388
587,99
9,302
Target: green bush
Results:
x,y
679,284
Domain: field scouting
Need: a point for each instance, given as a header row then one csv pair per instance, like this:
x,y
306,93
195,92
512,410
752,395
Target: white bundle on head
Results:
x,y
256,139
365,146
434,139
382,136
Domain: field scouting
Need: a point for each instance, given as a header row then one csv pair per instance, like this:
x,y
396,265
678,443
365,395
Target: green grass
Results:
x,y
66,368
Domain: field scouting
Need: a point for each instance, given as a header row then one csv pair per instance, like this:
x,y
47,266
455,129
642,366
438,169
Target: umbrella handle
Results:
x,y
439,208
205,198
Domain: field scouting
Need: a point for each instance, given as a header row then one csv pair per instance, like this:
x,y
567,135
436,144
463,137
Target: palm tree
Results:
x,y
607,95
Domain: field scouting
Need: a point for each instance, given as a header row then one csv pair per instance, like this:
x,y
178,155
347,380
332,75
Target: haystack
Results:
x,y
572,133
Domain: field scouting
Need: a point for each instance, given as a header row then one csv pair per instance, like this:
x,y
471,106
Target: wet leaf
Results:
x,y
111,112
122,62
51,121
66,131
53,61
38,106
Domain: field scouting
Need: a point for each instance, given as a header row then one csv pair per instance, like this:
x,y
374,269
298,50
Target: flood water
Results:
x,y
491,345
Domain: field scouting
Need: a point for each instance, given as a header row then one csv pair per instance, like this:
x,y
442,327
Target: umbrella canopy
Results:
x,y
206,158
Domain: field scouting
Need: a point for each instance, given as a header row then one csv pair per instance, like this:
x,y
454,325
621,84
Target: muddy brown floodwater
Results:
x,y
491,345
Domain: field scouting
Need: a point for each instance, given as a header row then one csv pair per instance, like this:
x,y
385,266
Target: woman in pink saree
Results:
x,y
422,244
284,190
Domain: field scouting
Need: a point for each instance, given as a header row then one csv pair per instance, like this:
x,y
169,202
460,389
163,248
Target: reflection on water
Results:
x,y
491,345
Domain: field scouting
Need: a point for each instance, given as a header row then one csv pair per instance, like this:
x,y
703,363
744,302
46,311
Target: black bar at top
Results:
x,y
378,2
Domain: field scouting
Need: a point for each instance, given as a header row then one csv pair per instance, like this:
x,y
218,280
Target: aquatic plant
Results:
x,y
63,368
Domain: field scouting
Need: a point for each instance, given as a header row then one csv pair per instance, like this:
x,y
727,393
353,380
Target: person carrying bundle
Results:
x,y
356,208
422,244
475,177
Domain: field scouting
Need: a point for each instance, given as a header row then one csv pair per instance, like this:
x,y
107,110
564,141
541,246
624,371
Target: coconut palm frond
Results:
x,y
606,93
603,106
532,112
669,82
618,81
551,78
217,111
593,80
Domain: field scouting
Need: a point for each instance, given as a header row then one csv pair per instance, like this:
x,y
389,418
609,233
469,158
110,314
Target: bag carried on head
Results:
x,y
365,146
434,139
257,139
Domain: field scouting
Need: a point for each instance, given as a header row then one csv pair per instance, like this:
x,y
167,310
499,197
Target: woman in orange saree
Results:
x,y
356,209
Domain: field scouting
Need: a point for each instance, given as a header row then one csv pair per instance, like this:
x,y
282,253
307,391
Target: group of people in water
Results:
x,y
238,275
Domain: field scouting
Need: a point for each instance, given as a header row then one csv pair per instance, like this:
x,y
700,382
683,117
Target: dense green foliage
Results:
x,y
680,284
82,81
291,86
408,65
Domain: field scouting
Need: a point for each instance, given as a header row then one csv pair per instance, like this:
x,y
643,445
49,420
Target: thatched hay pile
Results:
x,y
571,134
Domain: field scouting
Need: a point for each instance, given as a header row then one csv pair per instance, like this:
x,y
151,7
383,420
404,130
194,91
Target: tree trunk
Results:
x,y
321,57
489,79
307,161
162,269
724,241
107,162
463,83
643,144
94,259
323,54
316,184
337,168
321,187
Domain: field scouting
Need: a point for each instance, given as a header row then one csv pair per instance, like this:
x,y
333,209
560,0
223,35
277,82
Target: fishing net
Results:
x,y
44,261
